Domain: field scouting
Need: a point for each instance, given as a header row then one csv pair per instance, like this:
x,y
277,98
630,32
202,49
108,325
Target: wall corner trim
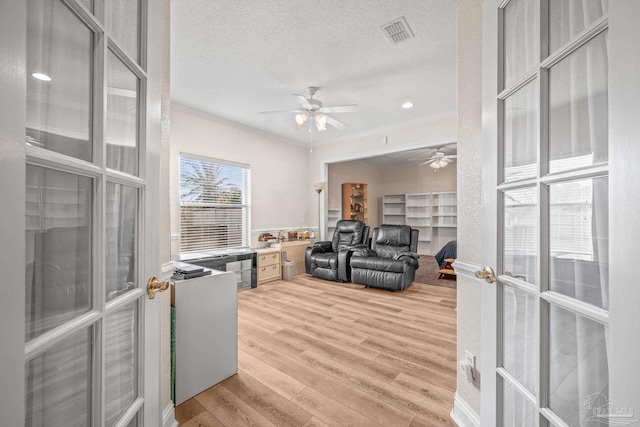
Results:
x,y
466,269
463,415
168,416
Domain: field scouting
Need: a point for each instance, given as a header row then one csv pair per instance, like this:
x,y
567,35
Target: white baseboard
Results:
x,y
463,415
169,416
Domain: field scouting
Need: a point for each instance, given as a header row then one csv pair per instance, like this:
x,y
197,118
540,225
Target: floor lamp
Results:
x,y
319,186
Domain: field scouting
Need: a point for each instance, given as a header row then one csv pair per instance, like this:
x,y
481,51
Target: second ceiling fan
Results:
x,y
439,159
312,110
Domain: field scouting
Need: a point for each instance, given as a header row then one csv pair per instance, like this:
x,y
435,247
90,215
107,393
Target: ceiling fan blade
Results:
x,y
427,162
278,112
353,108
302,100
335,123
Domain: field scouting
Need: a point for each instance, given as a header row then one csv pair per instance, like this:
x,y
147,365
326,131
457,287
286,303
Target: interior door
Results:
x,y
79,161
548,344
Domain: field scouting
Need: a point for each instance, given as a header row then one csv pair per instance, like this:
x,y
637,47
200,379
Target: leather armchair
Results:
x,y
330,260
392,261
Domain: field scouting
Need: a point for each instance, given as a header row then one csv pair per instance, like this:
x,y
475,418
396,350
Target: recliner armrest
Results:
x,y
322,247
362,250
411,258
344,259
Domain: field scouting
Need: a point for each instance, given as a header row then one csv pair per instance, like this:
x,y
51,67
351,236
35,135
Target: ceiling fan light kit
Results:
x,y
311,108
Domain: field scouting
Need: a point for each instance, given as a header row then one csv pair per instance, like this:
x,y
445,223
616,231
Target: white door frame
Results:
x,y
624,204
12,213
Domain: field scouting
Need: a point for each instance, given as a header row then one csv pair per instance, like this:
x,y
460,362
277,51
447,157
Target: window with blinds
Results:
x,y
214,204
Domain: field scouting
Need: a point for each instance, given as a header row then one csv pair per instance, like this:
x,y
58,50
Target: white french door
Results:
x,y
549,343
80,137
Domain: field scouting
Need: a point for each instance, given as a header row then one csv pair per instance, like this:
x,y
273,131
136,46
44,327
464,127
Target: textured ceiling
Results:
x,y
407,158
234,59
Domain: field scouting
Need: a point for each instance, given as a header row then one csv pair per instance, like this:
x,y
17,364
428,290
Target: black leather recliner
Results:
x,y
391,262
330,260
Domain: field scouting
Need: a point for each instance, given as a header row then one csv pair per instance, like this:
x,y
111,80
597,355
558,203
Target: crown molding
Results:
x,y
234,124
344,138
390,128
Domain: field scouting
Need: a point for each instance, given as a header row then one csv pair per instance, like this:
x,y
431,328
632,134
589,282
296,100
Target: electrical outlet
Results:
x,y
470,361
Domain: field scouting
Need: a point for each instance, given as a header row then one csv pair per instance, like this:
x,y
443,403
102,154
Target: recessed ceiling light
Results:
x,y
42,77
407,105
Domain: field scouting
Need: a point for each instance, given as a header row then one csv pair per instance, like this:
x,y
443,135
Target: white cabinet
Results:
x,y
206,332
393,209
434,214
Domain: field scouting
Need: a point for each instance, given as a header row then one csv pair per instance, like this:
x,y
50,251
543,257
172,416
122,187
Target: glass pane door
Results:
x,y
553,263
83,193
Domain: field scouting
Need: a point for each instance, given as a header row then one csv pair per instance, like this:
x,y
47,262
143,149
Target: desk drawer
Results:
x,y
269,272
268,259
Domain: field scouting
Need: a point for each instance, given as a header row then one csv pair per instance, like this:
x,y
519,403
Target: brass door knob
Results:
x,y
153,286
487,274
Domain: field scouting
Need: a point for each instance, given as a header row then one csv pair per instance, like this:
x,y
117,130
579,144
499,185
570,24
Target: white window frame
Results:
x,y
245,207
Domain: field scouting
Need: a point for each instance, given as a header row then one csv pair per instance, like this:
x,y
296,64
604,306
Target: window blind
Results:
x,y
214,204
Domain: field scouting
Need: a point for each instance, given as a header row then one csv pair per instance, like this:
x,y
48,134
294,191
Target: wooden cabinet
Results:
x,y
354,201
268,263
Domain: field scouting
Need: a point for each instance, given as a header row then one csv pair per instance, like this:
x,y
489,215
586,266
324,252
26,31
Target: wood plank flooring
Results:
x,y
318,353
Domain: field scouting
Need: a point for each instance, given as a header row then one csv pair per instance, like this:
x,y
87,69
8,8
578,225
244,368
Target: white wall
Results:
x,y
281,195
469,189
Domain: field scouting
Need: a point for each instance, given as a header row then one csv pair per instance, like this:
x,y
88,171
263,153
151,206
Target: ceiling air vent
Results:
x,y
397,30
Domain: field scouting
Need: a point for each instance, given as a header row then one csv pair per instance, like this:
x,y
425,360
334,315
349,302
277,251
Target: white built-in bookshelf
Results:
x,y
333,216
433,214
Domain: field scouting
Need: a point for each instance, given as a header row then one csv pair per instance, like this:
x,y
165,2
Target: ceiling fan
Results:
x,y
312,110
439,159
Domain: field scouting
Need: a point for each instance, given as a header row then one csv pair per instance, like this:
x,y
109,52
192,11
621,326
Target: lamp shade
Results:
x,y
321,122
319,186
301,120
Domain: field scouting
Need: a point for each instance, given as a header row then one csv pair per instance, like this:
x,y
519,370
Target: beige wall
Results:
x,y
469,188
418,179
403,180
433,132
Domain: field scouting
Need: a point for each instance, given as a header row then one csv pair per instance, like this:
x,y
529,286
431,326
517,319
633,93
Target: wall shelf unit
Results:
x,y
333,216
418,216
434,214
354,201
393,209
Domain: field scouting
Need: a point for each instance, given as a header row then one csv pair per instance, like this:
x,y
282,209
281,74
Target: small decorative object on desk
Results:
x,y
183,273
304,234
293,235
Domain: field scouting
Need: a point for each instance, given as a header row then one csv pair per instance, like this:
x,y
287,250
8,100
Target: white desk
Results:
x,y
206,332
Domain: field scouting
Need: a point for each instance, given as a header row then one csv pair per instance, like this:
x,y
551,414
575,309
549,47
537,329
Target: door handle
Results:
x,y
153,286
487,274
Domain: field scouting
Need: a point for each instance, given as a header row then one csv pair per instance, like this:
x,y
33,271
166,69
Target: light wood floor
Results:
x,y
318,353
